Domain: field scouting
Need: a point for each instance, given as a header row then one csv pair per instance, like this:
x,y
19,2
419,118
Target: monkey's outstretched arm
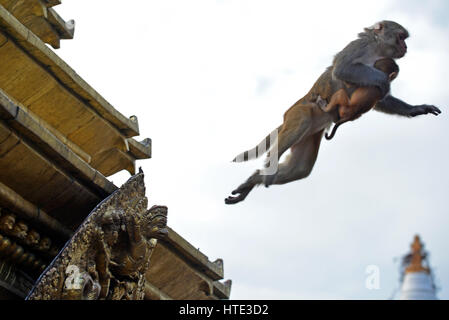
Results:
x,y
392,105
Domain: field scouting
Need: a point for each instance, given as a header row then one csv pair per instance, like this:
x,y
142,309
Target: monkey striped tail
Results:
x,y
260,149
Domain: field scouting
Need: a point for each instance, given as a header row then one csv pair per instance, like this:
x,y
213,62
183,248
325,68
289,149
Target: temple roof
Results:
x,y
59,140
41,83
39,17
180,271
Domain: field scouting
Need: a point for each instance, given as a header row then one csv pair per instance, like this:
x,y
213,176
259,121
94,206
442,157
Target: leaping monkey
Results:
x,y
305,122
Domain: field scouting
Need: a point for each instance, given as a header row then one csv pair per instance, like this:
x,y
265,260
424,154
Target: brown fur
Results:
x,y
296,133
362,99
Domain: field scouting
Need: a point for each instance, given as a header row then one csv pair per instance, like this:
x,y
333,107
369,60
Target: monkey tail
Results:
x,y
258,150
334,130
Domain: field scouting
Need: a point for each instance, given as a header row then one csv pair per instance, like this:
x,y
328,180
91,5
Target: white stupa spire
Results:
x,y
417,282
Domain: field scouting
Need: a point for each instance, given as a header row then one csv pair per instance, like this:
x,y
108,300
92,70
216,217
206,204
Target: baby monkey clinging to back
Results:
x,y
362,99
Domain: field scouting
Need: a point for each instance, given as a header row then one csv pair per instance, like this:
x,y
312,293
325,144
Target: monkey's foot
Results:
x,y
242,193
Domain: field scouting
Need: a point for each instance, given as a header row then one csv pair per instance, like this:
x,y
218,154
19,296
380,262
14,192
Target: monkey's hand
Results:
x,y
424,109
393,105
362,76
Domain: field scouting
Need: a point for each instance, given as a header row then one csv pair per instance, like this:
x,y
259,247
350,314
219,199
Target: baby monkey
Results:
x,y
362,98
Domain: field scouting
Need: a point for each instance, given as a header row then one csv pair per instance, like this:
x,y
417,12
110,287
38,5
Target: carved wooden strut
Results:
x,y
109,254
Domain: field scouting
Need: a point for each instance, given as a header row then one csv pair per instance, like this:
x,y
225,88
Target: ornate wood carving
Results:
x,y
11,226
14,280
109,254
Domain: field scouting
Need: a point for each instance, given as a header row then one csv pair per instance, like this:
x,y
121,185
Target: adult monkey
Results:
x,y
305,122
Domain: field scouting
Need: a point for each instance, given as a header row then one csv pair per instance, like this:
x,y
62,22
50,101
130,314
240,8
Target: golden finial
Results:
x,y
416,257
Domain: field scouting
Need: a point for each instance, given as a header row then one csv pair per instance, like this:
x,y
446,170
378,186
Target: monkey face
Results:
x,y
400,39
391,36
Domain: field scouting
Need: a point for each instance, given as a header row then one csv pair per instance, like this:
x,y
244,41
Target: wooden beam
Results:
x,y
29,211
200,261
65,74
153,293
66,154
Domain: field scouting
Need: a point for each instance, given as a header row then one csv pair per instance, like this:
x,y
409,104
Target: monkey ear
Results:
x,y
392,76
377,28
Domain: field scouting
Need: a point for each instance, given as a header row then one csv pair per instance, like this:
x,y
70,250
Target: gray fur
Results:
x,y
354,64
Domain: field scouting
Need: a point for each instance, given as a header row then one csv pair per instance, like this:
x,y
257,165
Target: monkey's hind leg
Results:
x,y
299,163
297,124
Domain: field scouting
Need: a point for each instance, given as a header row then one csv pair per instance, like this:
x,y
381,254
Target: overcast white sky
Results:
x,y
209,79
